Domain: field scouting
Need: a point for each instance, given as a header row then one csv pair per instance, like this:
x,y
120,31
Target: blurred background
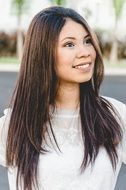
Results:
x,y
106,17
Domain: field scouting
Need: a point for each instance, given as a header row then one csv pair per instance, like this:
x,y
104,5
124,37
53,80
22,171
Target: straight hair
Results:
x,y
36,90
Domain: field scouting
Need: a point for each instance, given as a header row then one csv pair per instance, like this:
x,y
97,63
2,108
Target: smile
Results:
x,y
83,66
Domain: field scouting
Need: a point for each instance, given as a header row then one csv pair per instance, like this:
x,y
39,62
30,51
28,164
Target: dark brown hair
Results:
x,y
36,90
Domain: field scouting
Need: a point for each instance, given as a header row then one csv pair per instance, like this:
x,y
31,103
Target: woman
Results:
x,y
61,133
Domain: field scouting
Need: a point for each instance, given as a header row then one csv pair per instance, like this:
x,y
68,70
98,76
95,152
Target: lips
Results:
x,y
82,65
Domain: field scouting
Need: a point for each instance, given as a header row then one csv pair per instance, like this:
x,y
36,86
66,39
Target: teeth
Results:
x,y
82,66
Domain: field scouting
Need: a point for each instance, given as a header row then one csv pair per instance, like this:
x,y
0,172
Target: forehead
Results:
x,y
72,29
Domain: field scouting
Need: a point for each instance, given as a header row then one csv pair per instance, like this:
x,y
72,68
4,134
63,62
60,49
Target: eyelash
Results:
x,y
88,40
68,44
71,44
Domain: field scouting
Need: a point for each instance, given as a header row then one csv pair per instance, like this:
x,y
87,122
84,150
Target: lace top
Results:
x,y
60,169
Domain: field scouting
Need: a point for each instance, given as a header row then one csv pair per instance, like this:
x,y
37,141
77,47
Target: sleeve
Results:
x,y
124,135
4,124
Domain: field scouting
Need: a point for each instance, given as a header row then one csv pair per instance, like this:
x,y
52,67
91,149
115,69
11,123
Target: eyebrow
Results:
x,y
73,38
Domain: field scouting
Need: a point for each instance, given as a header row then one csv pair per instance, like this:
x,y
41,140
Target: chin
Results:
x,y
85,79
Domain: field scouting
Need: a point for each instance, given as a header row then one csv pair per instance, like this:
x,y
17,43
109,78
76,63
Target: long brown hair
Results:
x,y
36,90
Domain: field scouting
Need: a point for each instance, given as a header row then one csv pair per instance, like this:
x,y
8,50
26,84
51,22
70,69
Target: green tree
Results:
x,y
58,2
87,12
20,7
118,7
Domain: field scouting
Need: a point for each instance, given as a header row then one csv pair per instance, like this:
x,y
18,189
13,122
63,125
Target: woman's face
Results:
x,y
75,54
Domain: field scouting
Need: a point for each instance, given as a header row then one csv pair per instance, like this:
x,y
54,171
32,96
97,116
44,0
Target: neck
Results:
x,y
68,96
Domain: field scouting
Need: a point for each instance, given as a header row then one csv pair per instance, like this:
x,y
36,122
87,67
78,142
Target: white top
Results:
x,y
60,171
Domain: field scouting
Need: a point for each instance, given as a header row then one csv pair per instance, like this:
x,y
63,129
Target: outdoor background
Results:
x,y
106,17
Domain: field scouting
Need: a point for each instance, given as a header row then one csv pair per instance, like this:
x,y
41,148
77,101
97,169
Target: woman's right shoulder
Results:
x,y
4,120
4,125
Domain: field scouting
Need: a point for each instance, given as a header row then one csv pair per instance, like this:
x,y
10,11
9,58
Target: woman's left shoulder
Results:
x,y
118,105
114,101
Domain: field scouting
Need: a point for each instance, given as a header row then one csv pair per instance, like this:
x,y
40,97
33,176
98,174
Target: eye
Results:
x,y
88,41
69,44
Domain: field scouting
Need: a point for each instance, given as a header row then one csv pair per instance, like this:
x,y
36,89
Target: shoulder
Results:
x,y
4,121
6,116
119,106
4,125
114,101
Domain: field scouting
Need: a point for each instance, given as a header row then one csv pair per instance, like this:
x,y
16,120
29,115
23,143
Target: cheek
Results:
x,y
64,56
60,65
64,59
61,69
93,54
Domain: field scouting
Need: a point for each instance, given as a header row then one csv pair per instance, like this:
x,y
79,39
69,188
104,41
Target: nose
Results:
x,y
83,51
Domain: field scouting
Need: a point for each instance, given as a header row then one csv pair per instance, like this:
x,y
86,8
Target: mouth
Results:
x,y
82,66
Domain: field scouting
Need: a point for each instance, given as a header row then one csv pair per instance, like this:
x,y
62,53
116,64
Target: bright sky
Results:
x,y
102,14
